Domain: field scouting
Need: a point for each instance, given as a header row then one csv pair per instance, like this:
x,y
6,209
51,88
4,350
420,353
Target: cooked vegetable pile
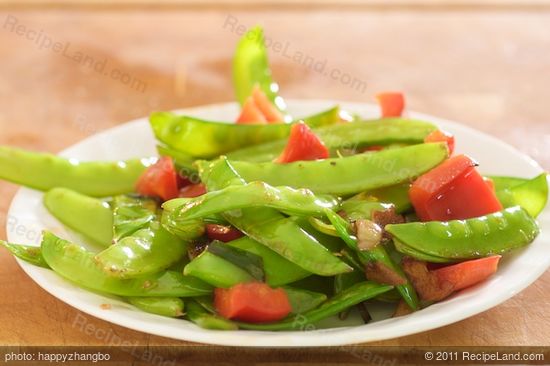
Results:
x,y
250,224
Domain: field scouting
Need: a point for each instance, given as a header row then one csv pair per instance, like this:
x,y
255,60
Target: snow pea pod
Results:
x,y
204,319
398,195
131,214
207,139
348,175
376,254
302,301
359,209
253,264
28,253
251,68
271,228
183,162
76,264
278,270
478,237
348,135
147,251
185,138
45,171
345,299
165,306
324,118
216,271
86,215
354,208
254,194
531,194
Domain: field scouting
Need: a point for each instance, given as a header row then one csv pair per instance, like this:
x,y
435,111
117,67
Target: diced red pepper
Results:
x,y
253,302
468,273
270,112
303,144
490,183
251,114
391,104
222,233
193,190
258,109
442,136
159,180
453,190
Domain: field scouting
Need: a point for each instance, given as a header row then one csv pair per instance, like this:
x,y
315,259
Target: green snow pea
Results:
x,y
345,299
376,254
360,209
323,227
346,280
531,194
165,306
254,194
183,162
315,283
45,171
349,175
131,214
478,237
398,195
271,228
216,271
302,301
185,138
278,270
76,264
354,208
353,135
504,182
86,215
147,251
28,253
250,262
184,229
251,68
411,252
324,118
204,319
207,139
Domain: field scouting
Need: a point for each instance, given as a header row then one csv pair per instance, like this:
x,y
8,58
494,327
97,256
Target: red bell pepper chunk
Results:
x,y
303,144
159,180
251,114
468,273
391,103
453,190
442,136
222,233
258,109
253,302
270,112
490,183
193,190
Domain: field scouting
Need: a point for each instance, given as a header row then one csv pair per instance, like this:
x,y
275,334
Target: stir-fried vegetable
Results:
x,y
269,223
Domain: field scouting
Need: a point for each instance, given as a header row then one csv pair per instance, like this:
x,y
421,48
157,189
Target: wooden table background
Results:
x,y
486,66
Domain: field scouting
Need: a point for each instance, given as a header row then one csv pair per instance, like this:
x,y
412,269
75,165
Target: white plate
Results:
x,y
27,218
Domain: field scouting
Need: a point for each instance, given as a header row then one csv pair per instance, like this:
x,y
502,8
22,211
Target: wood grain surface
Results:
x,y
488,69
